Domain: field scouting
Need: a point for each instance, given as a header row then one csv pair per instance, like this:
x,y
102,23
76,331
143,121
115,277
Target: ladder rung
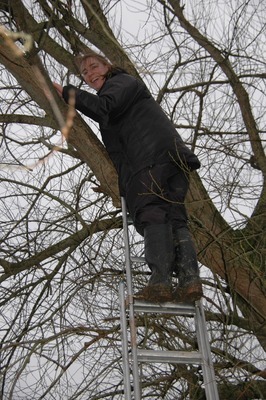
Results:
x,y
179,357
164,308
138,259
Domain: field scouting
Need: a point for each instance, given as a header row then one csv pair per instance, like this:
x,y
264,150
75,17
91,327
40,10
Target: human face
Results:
x,y
93,72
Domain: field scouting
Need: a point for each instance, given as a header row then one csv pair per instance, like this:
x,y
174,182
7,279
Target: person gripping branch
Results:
x,y
153,165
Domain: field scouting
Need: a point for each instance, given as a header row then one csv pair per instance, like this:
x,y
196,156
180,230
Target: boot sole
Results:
x,y
189,294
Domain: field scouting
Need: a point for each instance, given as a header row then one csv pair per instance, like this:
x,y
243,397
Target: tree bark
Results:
x,y
32,77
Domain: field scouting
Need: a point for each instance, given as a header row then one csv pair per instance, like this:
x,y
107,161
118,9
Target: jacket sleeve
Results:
x,y
85,102
114,99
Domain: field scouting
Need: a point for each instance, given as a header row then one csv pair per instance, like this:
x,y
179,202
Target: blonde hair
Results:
x,y
91,54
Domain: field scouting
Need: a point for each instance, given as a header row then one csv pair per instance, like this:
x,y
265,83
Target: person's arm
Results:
x,y
114,99
85,102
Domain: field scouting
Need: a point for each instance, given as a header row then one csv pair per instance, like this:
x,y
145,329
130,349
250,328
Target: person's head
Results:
x,y
94,68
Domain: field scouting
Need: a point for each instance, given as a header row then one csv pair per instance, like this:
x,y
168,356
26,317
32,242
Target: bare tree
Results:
x,y
61,253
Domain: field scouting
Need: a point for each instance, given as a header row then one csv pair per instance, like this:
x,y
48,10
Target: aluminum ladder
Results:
x,y
133,356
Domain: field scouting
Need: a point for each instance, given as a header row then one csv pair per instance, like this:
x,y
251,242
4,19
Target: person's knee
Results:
x,y
152,215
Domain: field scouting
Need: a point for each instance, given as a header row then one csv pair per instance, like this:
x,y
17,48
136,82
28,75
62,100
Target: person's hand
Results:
x,y
58,88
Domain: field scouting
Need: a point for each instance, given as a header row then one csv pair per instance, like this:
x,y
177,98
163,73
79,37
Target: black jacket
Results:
x,y
135,130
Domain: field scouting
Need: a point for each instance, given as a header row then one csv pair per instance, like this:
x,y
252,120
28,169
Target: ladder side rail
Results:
x,y
124,339
127,248
132,325
204,348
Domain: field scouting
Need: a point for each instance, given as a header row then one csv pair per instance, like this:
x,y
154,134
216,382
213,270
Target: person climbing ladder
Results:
x,y
153,165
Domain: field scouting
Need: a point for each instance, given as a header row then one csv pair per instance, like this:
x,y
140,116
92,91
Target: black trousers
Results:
x,y
156,195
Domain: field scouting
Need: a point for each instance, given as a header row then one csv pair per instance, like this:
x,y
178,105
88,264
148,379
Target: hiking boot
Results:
x,y
186,264
158,293
159,253
189,293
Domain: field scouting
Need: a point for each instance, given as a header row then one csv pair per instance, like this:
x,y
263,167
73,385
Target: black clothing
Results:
x,y
135,130
156,195
153,165
186,265
159,253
